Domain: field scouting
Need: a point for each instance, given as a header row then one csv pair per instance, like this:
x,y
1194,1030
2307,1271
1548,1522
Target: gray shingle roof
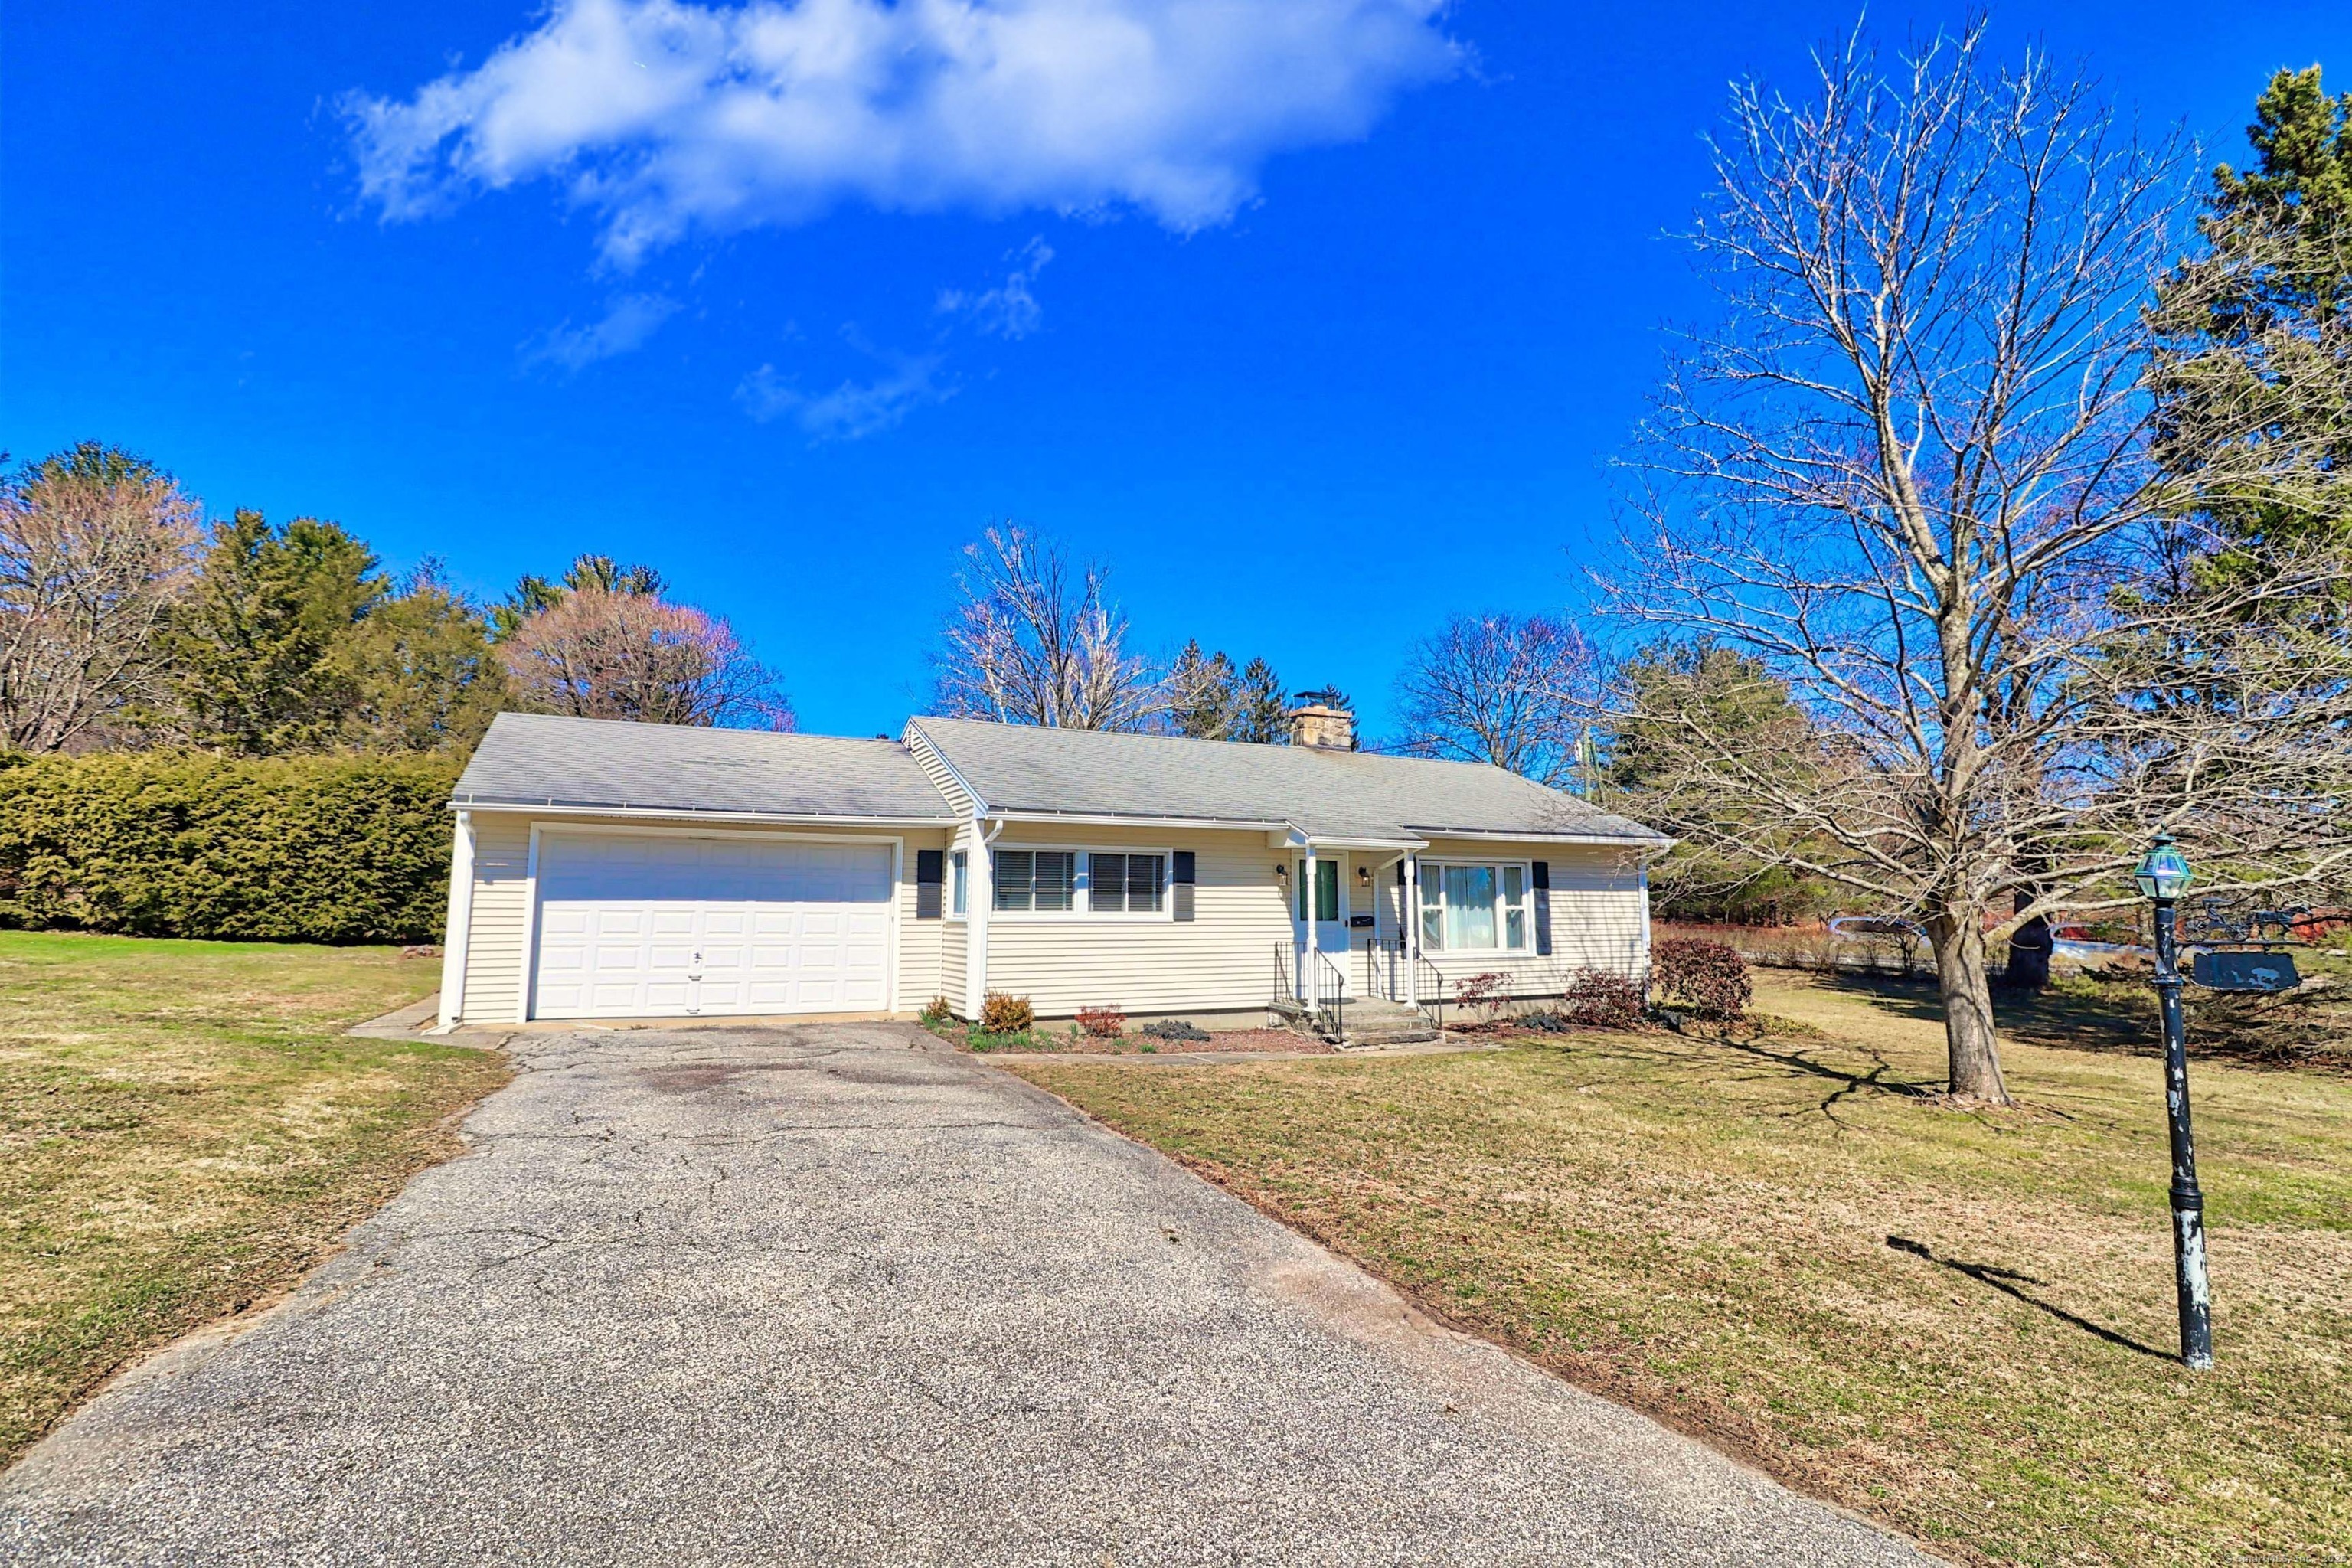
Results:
x,y
532,759
535,759
1333,795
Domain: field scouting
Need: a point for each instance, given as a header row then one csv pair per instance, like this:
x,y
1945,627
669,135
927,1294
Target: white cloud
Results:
x,y
1009,309
853,409
667,117
631,319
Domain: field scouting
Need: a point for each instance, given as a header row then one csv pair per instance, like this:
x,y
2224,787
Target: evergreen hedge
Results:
x,y
330,849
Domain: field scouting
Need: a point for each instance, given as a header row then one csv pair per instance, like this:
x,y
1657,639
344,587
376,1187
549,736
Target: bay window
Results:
x,y
1473,906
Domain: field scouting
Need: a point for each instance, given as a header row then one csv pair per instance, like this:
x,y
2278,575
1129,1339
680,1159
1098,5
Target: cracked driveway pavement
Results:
x,y
835,1294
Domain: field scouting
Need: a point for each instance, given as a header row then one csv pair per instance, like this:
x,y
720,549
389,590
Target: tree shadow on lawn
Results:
x,y
2118,1017
2008,1282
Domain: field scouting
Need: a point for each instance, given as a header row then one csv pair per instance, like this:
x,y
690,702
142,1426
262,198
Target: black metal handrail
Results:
x,y
1282,989
1430,985
1331,986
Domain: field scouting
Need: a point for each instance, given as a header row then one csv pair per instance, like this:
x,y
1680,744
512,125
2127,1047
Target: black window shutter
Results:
x,y
1541,877
1179,904
931,873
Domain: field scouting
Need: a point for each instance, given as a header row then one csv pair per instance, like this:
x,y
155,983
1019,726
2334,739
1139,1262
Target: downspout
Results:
x,y
461,922
982,881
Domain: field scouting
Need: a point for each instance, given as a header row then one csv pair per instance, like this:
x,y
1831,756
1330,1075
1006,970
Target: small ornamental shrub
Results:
x,y
1597,999
1175,1030
1003,1014
1488,993
1102,1023
938,1013
1708,977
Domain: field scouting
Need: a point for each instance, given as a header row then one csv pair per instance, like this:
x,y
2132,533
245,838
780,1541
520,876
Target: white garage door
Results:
x,y
640,927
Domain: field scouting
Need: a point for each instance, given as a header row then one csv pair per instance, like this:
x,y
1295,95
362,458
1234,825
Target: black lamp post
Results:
x,y
2163,877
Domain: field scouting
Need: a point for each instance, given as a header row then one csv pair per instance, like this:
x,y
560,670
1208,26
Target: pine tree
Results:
x,y
2258,334
1259,706
261,646
1203,694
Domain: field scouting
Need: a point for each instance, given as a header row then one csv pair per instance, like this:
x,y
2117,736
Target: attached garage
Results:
x,y
642,925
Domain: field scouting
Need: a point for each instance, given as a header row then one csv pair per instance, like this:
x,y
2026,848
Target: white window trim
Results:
x,y
1082,885
1429,863
959,888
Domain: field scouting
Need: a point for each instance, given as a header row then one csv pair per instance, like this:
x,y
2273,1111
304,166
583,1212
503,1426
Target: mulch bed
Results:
x,y
1222,1041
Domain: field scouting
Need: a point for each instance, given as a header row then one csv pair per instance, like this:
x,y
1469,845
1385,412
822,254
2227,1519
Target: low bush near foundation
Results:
x,y
1102,1023
1708,977
1176,1029
1003,1014
1488,992
938,1013
1597,999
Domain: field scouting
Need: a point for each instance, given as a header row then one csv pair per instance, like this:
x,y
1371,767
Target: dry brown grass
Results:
x,y
184,1130
1959,1322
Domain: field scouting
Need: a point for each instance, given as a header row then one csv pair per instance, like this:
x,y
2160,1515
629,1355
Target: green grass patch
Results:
x,y
1959,1322
184,1130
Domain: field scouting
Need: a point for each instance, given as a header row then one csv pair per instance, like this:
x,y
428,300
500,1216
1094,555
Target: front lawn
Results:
x,y
183,1129
1958,1323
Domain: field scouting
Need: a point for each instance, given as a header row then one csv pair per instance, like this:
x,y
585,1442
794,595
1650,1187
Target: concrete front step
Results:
x,y
1365,1039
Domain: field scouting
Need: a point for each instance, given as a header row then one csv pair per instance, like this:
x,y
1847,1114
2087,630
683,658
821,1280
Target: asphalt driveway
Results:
x,y
837,1295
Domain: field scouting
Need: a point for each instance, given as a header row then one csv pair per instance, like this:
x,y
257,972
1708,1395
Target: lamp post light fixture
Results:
x,y
2163,876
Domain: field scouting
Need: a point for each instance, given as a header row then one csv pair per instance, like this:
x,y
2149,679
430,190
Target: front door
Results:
x,y
1329,912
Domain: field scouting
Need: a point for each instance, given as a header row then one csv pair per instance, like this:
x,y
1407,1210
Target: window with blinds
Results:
x,y
1126,883
1045,880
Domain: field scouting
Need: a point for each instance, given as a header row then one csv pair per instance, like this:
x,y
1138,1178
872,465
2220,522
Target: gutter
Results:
x,y
689,814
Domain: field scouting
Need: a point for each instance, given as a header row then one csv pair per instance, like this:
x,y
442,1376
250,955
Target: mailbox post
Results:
x,y
2163,875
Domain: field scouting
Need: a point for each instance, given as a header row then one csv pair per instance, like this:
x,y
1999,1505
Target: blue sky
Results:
x,y
1312,332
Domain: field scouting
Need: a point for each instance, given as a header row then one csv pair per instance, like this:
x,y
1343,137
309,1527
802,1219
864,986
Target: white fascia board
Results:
x,y
1491,836
1295,838
675,813
914,732
1106,819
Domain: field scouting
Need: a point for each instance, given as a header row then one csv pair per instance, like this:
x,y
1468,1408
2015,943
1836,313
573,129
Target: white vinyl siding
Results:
x,y
936,769
1221,960
494,939
495,959
1600,915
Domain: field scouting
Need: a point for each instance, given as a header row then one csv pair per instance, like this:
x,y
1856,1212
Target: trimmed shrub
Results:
x,y
1003,1014
328,850
938,1012
1708,977
1597,999
1175,1030
1488,992
1102,1023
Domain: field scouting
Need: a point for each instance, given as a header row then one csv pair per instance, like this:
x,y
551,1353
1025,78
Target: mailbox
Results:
x,y
2258,972
1359,922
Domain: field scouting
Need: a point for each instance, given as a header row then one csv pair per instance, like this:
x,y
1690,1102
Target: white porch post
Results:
x,y
980,897
1412,912
1307,920
461,922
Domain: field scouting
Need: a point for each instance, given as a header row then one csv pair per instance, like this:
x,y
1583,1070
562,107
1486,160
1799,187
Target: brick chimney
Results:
x,y
1320,725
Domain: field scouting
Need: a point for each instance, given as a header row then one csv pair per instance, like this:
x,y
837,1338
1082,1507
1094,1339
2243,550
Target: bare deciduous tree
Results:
x,y
95,548
1508,690
1035,642
600,653
1909,476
